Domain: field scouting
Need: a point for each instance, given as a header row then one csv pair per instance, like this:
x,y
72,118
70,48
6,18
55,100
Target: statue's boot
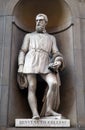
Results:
x,y
52,113
36,117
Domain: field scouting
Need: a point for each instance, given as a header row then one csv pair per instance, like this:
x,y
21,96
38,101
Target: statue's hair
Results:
x,y
45,16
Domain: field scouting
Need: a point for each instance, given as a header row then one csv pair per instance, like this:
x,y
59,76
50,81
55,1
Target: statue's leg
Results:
x,y
52,83
31,95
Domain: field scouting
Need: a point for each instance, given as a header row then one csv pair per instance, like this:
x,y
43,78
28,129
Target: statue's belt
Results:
x,y
40,50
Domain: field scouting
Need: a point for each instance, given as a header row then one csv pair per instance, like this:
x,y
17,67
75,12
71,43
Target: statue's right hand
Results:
x,y
20,69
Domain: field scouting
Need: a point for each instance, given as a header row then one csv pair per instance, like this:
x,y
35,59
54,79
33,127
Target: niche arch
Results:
x,y
59,14
62,29
71,4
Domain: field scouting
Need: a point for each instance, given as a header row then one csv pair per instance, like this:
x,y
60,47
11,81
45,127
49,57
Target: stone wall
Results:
x,y
77,8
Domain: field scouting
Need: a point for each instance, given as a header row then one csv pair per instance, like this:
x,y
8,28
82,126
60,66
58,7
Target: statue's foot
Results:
x,y
36,117
52,113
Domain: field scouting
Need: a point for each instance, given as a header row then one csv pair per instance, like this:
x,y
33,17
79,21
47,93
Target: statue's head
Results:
x,y
41,22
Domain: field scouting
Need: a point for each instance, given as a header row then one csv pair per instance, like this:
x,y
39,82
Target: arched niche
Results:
x,y
10,5
59,14
60,25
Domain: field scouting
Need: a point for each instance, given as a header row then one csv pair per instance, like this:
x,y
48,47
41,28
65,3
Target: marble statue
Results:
x,y
39,54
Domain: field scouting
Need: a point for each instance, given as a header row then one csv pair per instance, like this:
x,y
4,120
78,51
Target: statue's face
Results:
x,y
40,24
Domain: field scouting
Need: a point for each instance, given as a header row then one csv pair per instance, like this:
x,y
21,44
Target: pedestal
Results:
x,y
43,122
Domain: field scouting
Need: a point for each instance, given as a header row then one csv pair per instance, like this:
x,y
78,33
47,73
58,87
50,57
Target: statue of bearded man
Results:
x,y
34,58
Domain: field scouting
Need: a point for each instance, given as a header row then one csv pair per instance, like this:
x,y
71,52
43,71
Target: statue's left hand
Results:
x,y
54,66
57,64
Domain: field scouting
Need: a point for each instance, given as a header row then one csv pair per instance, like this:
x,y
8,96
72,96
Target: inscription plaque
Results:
x,y
42,123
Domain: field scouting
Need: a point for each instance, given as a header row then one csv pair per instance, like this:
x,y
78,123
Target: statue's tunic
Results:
x,y
35,52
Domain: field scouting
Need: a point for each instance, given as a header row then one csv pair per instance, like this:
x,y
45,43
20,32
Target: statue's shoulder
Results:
x,y
29,34
50,36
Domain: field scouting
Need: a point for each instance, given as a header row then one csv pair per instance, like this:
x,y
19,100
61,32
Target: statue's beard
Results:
x,y
39,29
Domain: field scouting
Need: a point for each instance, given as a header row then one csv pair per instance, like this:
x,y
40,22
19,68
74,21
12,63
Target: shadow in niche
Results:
x,y
41,86
67,94
25,12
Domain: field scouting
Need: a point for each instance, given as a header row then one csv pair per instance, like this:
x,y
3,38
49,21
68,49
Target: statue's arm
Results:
x,y
22,53
58,57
